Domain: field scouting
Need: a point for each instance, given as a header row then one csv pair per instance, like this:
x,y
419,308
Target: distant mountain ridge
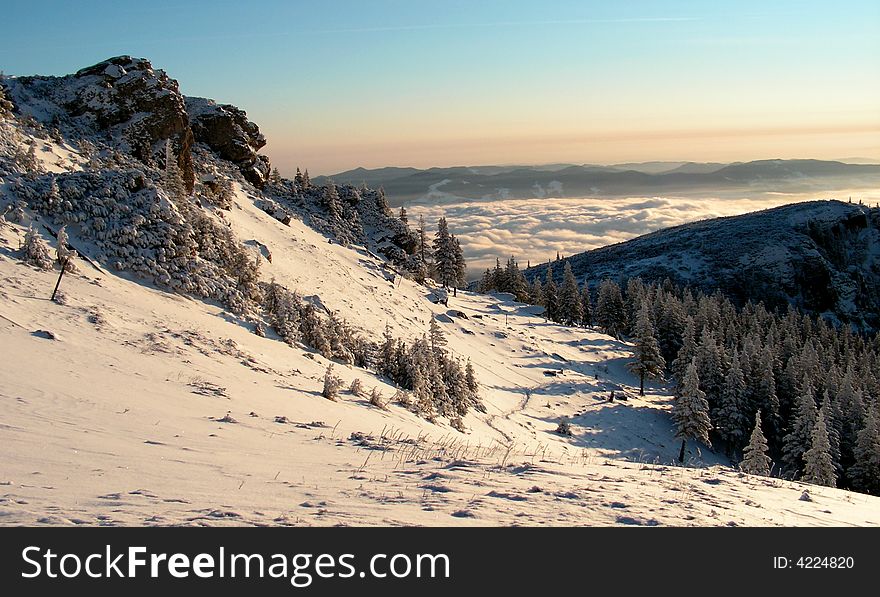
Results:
x,y
403,185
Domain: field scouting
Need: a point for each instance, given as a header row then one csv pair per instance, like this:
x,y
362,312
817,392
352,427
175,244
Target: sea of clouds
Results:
x,y
533,230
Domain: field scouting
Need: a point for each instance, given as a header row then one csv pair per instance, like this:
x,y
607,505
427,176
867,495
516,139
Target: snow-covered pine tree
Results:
x,y
864,473
420,376
330,199
436,337
35,250
730,415
516,281
648,360
53,195
690,411
16,214
586,305
63,253
473,387
403,217
764,395
313,328
670,326
499,277
818,468
832,418
710,365
799,438
635,294
445,255
536,292
459,264
551,296
686,354
485,283
570,310
332,383
755,460
610,309
29,162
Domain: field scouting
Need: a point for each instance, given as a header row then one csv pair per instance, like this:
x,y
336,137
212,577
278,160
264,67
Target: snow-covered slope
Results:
x,y
821,256
120,418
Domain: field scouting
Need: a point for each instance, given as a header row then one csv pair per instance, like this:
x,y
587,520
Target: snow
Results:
x,y
116,420
124,404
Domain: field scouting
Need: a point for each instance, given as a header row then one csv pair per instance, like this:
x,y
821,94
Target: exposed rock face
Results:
x,y
227,130
820,256
137,107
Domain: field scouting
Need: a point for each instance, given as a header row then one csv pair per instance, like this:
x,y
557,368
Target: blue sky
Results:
x,y
337,84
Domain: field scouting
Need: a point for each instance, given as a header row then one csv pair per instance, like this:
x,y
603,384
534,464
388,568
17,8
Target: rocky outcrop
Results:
x,y
136,108
228,132
134,105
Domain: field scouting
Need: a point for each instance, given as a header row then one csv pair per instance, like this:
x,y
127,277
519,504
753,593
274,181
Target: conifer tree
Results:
x,y
473,387
832,416
648,360
551,296
330,198
764,395
818,468
331,384
586,305
436,337
686,354
710,365
730,416
536,292
445,255
799,438
516,282
864,473
670,327
570,310
63,253
690,411
459,264
499,277
755,460
36,252
403,217
610,309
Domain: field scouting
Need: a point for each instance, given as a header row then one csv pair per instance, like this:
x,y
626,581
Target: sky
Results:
x,y
339,84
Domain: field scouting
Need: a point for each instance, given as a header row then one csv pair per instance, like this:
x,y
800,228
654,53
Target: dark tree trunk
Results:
x,y
642,383
681,452
58,283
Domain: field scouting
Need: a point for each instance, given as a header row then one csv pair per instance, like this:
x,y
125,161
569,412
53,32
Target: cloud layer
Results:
x,y
535,229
